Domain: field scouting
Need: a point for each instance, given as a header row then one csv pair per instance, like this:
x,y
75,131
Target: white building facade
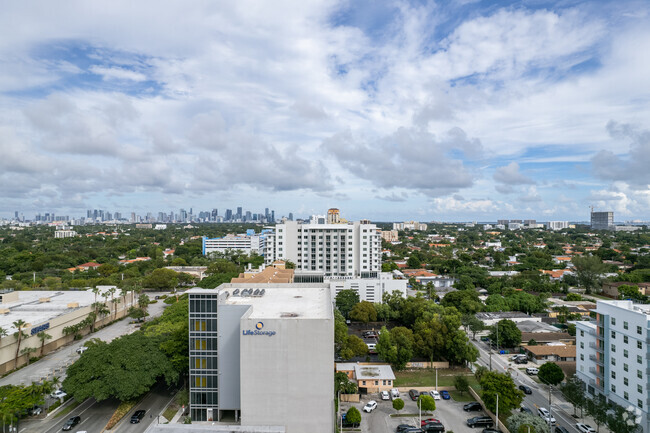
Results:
x,y
369,289
557,225
613,355
247,243
344,250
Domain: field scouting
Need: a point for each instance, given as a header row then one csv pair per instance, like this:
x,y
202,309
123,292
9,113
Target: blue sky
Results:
x,y
449,110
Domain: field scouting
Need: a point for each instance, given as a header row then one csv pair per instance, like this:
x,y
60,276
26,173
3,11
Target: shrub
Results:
x,y
398,404
120,412
353,415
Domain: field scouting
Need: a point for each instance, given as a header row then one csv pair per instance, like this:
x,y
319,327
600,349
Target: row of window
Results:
x,y
639,374
626,396
211,398
639,329
204,381
207,325
384,382
204,362
639,345
203,344
203,305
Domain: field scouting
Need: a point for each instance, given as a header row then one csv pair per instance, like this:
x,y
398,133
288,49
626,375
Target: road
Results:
x,y
561,410
55,363
154,403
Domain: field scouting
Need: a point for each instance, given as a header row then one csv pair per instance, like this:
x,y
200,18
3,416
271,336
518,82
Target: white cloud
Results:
x,y
115,73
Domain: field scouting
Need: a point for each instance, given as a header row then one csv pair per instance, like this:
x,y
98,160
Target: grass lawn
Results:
x,y
427,377
455,395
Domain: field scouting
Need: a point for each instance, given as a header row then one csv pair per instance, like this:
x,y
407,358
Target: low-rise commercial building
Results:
x,y
248,243
262,366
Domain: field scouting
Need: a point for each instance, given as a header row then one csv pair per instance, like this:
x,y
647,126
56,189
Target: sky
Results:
x,y
455,110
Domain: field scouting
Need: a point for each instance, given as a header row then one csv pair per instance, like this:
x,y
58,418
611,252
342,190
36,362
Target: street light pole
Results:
x,y
436,378
497,411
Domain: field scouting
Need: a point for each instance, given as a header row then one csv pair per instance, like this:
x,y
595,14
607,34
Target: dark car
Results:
x,y
445,395
429,420
435,427
560,429
521,361
472,407
525,409
480,421
404,427
347,423
137,416
526,389
71,423
414,394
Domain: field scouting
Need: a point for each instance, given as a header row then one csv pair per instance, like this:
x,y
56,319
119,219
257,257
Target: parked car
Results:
x,y
394,393
445,395
585,428
532,371
525,409
427,421
58,394
137,416
546,415
370,406
385,395
521,360
526,389
36,410
480,421
560,429
81,349
435,395
472,407
404,427
434,427
347,423
414,394
71,423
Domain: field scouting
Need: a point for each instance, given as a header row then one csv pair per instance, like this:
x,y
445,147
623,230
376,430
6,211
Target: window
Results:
x,y
625,325
613,334
582,333
613,361
626,396
582,357
625,367
638,330
625,353
625,382
364,383
613,348
582,345
639,388
613,321
639,345
639,374
376,383
640,404
613,375
383,382
625,339
613,388
639,359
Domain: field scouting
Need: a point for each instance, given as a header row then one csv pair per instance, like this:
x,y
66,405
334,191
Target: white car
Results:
x,y
81,349
385,395
546,415
435,395
370,406
58,394
584,428
394,393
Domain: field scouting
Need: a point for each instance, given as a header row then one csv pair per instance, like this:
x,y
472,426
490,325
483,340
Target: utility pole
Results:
x,y
497,411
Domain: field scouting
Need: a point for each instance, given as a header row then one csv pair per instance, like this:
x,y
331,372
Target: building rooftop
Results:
x,y
373,372
543,337
500,315
535,327
561,351
36,307
296,300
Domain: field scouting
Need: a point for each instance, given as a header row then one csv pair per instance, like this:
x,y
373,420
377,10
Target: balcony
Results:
x,y
593,345
592,370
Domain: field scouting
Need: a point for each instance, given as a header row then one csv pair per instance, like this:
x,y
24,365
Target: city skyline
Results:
x,y
431,111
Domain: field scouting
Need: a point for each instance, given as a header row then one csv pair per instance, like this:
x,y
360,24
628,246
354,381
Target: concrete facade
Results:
x,y
270,372
613,355
369,289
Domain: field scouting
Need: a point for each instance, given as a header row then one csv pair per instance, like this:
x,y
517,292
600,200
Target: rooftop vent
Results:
x,y
235,292
256,292
289,315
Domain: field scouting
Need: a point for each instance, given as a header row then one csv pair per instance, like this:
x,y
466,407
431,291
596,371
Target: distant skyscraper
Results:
x,y
290,216
239,213
228,216
272,216
602,220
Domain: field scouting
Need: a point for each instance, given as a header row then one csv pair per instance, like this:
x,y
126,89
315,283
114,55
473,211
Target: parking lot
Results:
x,y
449,412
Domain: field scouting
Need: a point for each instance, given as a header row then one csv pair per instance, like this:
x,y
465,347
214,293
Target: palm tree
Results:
x,y
115,301
28,351
43,336
112,292
19,334
3,333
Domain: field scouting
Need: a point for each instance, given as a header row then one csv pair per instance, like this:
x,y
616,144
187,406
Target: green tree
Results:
x,y
43,336
493,383
353,346
364,312
170,331
345,300
574,391
508,334
426,403
472,324
353,415
550,373
343,384
125,368
588,271
520,422
398,404
461,383
597,407
479,372
395,346
161,279
620,420
413,262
